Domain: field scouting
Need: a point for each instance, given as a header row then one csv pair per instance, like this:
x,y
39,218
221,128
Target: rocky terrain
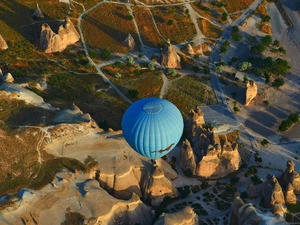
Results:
x,y
251,91
209,157
169,57
3,44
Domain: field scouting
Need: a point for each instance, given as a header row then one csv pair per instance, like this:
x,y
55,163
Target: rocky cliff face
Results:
x,y
169,57
248,214
252,191
271,192
291,176
190,49
195,122
187,160
157,187
129,42
251,91
52,42
3,44
289,195
184,217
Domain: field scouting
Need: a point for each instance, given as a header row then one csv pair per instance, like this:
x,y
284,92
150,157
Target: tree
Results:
x,y
105,54
235,28
130,61
267,77
196,69
245,78
93,54
206,70
278,82
280,67
117,64
266,40
170,22
244,66
151,65
118,75
171,71
276,43
294,117
223,49
266,18
264,142
224,16
219,68
252,39
236,37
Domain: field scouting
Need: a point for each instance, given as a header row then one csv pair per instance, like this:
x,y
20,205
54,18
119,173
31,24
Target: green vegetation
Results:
x,y
256,179
286,124
278,82
264,142
244,66
266,40
266,102
277,67
251,171
234,180
105,54
236,37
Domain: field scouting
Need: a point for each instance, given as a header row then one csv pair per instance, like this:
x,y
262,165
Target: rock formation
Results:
x,y
195,122
237,203
190,49
73,115
187,160
271,192
184,217
38,14
251,91
291,176
129,42
289,195
8,78
52,42
252,191
169,57
219,163
3,44
248,214
157,187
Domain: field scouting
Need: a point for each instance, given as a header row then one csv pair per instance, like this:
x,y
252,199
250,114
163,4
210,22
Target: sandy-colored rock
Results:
x,y
291,176
251,91
218,163
38,14
252,191
289,195
8,78
169,57
167,169
73,115
248,214
3,44
271,192
186,216
195,122
129,42
52,42
157,187
190,49
187,159
237,203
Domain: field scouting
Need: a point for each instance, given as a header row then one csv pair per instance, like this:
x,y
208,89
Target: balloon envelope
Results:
x,y
152,127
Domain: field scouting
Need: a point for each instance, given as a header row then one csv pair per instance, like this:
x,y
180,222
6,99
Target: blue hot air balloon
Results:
x,y
152,127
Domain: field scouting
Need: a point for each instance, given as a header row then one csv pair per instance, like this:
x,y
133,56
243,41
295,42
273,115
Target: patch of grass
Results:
x,y
208,29
188,92
112,27
147,27
236,6
181,22
202,9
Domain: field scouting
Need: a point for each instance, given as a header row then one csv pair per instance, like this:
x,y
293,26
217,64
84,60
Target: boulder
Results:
x,y
252,191
38,14
190,49
187,159
129,42
251,91
157,187
73,115
169,57
216,163
3,44
195,122
8,78
52,42
186,216
291,176
289,195
271,192
237,203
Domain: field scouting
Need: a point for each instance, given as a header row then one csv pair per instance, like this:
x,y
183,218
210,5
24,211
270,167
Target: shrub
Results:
x,y
244,66
195,189
219,69
93,54
276,43
170,22
294,117
130,61
196,69
171,72
236,37
256,180
118,75
251,171
266,102
293,208
266,18
130,17
224,16
266,40
264,142
278,82
235,28
204,185
234,180
105,54
117,64
236,109
285,124
151,65
188,173
133,93
267,77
